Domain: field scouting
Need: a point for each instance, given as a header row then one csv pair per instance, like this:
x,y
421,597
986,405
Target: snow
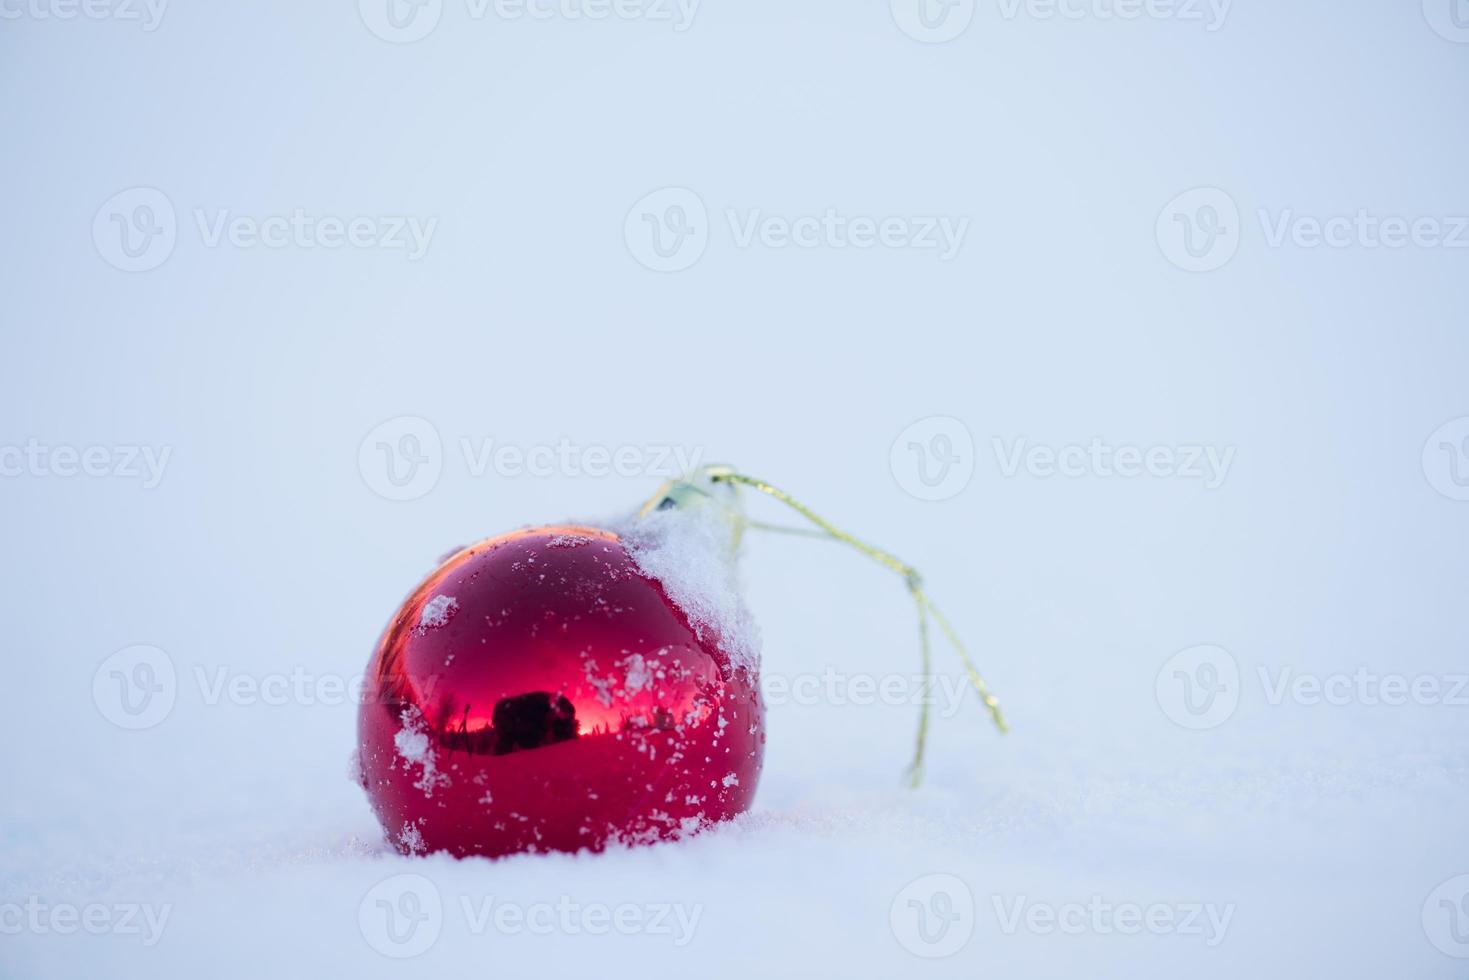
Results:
x,y
638,675
1305,836
691,553
411,838
568,541
812,872
1311,835
437,612
412,744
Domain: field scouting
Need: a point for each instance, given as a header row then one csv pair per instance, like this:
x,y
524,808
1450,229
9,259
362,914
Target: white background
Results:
x,y
1065,316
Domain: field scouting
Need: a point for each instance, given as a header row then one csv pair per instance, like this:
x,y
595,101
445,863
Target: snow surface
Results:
x,y
1290,841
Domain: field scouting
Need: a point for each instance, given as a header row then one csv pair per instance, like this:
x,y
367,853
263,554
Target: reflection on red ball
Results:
x,y
538,692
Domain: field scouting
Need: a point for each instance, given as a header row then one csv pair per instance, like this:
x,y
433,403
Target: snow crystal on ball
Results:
x,y
638,676
412,743
436,612
568,541
412,839
691,554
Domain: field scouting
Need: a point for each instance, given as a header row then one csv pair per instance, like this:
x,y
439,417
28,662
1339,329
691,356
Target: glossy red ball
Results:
x,y
539,692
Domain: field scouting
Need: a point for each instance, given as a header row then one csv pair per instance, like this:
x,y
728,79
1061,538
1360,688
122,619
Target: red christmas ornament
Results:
x,y
565,687
540,691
